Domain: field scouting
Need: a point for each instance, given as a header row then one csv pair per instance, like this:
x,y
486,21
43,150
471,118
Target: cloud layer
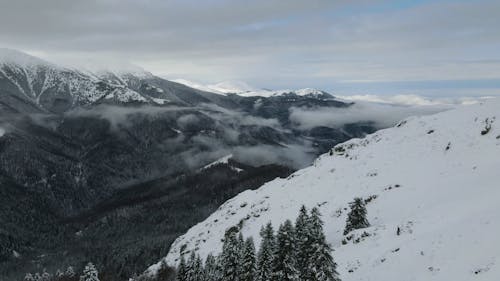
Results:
x,y
381,115
271,43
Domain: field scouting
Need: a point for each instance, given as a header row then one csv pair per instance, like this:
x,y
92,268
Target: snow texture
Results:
x,y
432,180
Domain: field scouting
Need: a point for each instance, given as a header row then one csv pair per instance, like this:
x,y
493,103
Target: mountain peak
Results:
x,y
11,56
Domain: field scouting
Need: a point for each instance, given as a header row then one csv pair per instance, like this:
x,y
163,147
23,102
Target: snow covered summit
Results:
x,y
243,89
432,190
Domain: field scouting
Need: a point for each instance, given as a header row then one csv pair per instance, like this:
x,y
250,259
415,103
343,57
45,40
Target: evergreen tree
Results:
x,y
165,272
190,267
70,272
181,270
241,242
241,252
303,241
321,264
285,261
46,276
230,257
249,265
356,218
28,277
198,271
266,253
211,269
90,273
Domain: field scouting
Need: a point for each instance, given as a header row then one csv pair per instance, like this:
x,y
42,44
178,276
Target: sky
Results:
x,y
422,47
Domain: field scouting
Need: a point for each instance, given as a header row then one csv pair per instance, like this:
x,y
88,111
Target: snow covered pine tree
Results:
x,y
90,273
266,253
249,265
303,237
321,264
285,260
230,258
211,268
356,219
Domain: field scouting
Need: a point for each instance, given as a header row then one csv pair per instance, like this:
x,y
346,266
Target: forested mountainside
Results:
x,y
83,154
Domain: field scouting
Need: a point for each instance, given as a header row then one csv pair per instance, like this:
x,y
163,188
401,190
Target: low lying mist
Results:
x,y
382,115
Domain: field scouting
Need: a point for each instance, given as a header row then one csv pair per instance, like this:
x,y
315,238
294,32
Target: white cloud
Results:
x,y
270,43
380,114
413,100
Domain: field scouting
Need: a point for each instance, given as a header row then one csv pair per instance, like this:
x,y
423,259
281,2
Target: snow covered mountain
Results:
x,y
245,90
30,84
434,177
55,88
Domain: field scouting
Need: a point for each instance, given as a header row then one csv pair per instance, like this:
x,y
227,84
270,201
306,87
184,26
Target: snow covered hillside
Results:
x,y
434,177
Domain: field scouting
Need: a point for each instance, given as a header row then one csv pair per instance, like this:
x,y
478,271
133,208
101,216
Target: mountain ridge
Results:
x,y
429,204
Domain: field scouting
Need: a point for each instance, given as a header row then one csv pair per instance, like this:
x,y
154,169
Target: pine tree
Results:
x,y
46,276
198,271
248,266
230,257
285,260
90,273
70,272
356,218
28,277
321,264
181,270
211,269
241,252
303,241
190,267
266,253
165,272
241,242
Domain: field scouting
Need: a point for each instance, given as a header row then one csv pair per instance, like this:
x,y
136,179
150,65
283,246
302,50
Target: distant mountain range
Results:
x,y
245,90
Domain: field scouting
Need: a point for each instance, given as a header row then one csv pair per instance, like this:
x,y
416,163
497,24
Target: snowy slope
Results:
x,y
435,177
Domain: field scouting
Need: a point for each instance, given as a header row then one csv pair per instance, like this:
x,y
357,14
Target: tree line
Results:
x,y
297,251
89,273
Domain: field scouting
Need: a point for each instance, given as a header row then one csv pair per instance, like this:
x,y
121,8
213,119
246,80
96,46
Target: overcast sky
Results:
x,y
429,47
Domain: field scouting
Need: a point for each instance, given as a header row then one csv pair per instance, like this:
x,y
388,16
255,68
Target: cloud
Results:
x,y
118,115
296,156
381,115
201,141
413,100
241,118
269,43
